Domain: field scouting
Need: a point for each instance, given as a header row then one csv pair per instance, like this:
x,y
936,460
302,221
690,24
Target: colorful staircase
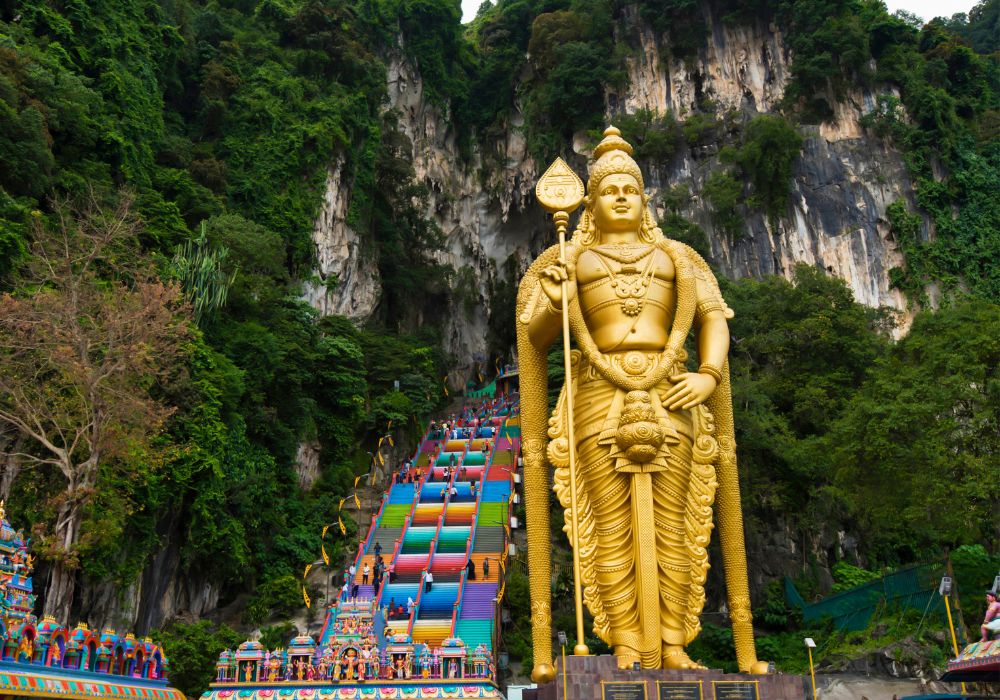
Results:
x,y
439,524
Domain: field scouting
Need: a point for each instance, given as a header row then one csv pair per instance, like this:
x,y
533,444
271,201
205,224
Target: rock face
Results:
x,y
349,283
164,591
842,185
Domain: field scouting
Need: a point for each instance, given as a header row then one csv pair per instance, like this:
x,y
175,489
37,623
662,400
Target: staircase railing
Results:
x,y
397,549
457,610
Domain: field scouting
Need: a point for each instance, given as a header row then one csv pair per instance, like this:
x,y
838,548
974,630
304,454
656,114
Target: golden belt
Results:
x,y
634,363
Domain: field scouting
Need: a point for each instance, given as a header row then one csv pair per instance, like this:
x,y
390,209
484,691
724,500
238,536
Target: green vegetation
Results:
x,y
222,118
193,650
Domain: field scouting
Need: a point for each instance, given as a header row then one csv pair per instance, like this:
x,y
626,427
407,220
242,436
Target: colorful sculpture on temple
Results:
x,y
25,640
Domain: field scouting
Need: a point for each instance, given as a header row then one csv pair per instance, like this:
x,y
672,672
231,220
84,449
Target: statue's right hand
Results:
x,y
551,280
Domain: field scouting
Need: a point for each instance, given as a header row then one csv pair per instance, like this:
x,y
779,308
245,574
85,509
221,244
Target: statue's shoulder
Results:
x,y
709,293
544,259
699,265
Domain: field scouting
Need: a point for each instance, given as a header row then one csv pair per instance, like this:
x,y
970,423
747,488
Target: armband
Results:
x,y
708,306
711,371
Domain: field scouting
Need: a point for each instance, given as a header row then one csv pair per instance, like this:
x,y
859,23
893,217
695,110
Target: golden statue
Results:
x,y
652,442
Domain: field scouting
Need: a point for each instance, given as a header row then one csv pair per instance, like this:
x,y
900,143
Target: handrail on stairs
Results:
x,y
457,610
397,549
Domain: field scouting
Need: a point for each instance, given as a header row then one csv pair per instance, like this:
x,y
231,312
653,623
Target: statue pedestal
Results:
x,y
598,678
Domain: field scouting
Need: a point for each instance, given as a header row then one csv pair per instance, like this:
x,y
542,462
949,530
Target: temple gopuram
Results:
x,y
47,660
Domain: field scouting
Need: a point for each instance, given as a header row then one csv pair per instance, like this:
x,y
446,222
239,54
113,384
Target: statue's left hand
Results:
x,y
689,390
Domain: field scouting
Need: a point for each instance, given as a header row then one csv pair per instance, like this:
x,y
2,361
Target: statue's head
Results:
x,y
616,201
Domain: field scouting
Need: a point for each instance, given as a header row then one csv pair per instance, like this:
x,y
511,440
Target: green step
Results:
x,y
418,540
492,513
475,632
395,514
453,540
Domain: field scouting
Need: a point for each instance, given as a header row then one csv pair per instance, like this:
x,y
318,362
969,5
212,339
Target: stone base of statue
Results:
x,y
598,678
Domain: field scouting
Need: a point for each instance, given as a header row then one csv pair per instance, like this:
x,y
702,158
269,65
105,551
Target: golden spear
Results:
x,y
560,192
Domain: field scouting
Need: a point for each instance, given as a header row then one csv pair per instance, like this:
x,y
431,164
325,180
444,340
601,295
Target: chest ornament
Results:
x,y
630,283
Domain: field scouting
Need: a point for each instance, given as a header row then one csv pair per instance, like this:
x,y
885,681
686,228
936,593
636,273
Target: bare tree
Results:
x,y
90,333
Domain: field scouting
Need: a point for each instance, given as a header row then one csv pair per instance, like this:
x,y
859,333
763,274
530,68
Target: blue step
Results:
x,y
494,491
401,493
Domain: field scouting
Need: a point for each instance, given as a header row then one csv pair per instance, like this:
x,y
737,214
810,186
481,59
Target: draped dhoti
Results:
x,y
645,526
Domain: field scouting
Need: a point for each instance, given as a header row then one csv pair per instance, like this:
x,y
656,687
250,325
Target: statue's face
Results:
x,y
618,204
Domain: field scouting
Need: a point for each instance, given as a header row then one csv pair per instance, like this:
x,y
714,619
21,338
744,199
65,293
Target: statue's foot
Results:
x,y
674,657
627,657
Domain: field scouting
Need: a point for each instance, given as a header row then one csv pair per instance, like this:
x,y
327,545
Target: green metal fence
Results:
x,y
913,587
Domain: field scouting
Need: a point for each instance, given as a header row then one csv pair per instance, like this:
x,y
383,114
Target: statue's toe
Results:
x,y
627,657
676,658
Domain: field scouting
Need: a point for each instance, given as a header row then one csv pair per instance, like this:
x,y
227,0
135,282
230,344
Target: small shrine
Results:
x,y
482,662
249,661
301,652
453,658
399,656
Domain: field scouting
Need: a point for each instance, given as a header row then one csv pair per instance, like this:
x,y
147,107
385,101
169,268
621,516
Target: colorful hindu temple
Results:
x,y
392,633
44,659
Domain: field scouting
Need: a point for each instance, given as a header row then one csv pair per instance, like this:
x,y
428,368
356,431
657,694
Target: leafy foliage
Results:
x,y
926,422
193,650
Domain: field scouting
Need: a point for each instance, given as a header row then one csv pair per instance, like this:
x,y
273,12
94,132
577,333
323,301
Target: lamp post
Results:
x,y
945,591
810,645
562,643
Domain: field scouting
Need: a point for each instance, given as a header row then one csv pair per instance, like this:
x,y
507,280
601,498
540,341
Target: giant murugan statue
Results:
x,y
653,441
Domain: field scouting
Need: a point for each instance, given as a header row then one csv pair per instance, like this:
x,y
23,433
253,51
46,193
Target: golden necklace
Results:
x,y
624,252
629,284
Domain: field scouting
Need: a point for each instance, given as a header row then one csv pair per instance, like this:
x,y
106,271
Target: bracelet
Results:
x,y
711,371
552,309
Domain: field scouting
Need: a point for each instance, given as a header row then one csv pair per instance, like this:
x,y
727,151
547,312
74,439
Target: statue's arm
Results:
x,y
711,325
544,327
712,334
545,321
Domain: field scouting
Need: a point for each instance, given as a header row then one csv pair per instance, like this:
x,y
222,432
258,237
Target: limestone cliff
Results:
x,y
843,182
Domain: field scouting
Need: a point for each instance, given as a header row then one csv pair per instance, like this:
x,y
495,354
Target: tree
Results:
x,y
915,452
84,343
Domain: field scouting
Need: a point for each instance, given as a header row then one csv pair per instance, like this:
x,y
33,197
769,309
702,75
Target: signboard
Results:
x,y
679,690
735,690
623,690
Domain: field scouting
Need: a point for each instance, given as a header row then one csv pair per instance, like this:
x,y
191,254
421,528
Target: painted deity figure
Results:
x,y
653,439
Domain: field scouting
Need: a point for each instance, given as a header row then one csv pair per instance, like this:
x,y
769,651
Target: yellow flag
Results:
x,y
357,501
306,572
326,557
381,459
357,479
380,441
503,581
498,364
444,381
389,426
341,506
305,597
391,443
325,528
343,528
